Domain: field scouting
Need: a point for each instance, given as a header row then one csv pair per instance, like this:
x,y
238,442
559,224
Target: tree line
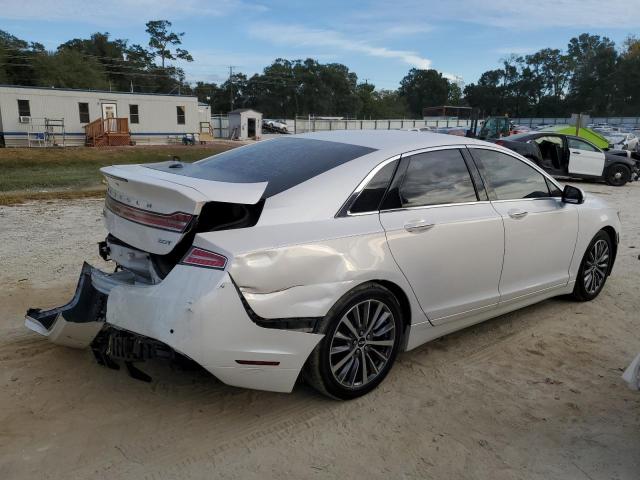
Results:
x,y
591,75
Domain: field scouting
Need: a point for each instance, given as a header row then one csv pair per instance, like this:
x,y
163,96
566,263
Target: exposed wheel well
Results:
x,y
609,230
403,300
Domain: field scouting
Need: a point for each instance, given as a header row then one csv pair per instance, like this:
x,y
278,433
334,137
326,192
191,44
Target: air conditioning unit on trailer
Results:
x,y
24,119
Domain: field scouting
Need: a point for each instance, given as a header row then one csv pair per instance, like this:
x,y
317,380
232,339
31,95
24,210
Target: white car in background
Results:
x,y
326,254
622,141
276,125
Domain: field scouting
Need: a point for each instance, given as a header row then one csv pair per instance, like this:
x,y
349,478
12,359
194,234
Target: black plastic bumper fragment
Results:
x,y
87,304
113,344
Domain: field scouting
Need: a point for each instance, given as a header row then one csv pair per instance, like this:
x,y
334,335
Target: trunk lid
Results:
x,y
153,210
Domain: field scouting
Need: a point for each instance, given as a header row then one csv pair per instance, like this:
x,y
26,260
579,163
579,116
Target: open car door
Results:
x,y
584,158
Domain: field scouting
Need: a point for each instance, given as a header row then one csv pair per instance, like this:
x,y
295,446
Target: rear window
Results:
x,y
283,162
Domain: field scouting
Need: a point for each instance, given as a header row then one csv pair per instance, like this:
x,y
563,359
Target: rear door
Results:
x,y
444,234
584,158
540,230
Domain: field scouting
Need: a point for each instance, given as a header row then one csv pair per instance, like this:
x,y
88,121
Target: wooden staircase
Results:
x,y
107,132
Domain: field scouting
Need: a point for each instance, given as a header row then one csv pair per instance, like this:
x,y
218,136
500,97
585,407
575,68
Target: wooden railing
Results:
x,y
99,127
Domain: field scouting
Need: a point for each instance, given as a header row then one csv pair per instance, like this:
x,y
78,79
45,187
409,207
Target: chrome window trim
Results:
x,y
384,163
519,157
440,205
342,213
344,209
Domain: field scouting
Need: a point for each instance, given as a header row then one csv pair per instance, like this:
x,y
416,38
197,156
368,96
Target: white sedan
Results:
x,y
327,254
623,141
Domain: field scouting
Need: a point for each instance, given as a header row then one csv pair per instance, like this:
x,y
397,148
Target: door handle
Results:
x,y
576,153
517,213
418,226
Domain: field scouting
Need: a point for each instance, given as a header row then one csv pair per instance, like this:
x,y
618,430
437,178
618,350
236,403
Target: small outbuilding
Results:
x,y
245,124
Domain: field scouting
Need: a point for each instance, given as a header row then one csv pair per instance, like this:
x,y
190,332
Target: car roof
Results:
x,y
392,142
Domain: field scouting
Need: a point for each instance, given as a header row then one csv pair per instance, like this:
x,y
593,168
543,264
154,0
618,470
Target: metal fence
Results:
x,y
220,124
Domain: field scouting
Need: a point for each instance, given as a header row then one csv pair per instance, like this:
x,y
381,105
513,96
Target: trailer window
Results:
x,y
180,111
23,108
134,115
83,109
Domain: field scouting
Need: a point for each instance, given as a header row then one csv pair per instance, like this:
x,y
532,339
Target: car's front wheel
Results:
x,y
617,175
594,268
362,337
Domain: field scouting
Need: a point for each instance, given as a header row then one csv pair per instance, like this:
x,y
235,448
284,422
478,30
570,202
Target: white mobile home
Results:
x,y
57,116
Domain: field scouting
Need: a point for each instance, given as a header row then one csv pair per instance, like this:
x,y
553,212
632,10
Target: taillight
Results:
x,y
175,222
499,142
199,257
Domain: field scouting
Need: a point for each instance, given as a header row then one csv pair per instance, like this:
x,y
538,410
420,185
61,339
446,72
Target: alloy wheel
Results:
x,y
362,344
596,267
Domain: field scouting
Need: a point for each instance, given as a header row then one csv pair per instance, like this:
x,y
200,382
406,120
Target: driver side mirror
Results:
x,y
573,195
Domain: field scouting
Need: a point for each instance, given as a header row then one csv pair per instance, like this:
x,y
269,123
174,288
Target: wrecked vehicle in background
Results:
x,y
326,254
570,156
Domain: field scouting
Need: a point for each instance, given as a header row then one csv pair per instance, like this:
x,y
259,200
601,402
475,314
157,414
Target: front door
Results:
x,y
540,230
109,114
447,243
109,110
584,158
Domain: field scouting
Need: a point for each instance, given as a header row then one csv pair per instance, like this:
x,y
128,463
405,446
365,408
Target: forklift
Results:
x,y
492,128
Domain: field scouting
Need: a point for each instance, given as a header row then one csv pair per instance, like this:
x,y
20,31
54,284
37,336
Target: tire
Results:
x,y
601,246
335,366
617,175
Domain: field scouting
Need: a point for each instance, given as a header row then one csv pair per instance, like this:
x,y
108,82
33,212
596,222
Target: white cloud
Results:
x,y
115,13
514,15
310,37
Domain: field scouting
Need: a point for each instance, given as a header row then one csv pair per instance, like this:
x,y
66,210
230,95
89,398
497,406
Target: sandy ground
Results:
x,y
535,394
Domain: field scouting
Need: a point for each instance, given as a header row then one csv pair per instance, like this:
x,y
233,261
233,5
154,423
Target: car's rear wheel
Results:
x,y
362,336
617,175
594,268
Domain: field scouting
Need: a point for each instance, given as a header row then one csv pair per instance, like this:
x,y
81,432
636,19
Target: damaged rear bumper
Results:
x,y
78,322
196,312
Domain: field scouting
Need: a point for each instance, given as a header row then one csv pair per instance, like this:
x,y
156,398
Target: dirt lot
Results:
x,y
535,394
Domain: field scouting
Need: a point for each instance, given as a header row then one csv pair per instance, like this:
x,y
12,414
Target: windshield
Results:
x,y
282,162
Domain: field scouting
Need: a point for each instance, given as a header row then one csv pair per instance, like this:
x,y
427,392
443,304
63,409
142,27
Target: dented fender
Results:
x,y
284,274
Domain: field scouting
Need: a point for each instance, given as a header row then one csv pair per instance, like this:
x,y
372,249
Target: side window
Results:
x,y
134,115
509,177
83,110
180,114
23,108
370,198
580,145
436,178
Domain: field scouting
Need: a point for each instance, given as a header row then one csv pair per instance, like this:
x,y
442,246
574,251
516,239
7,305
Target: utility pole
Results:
x,y
231,67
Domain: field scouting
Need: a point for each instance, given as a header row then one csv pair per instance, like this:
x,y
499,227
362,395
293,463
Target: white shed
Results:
x,y
244,124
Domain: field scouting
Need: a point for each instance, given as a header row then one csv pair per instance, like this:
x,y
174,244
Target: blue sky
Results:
x,y
379,40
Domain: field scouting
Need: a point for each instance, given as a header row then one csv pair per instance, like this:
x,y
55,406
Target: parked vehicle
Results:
x,y
327,254
574,157
420,129
623,141
279,126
